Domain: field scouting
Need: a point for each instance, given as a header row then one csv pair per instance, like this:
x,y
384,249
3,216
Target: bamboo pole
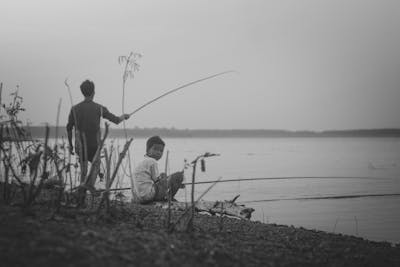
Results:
x,y
1,93
121,157
108,176
93,169
57,120
90,179
192,196
177,89
168,191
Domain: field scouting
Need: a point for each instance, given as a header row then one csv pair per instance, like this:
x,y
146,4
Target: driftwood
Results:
x,y
227,207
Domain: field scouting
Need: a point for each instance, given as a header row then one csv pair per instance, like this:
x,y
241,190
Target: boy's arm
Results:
x,y
111,117
154,174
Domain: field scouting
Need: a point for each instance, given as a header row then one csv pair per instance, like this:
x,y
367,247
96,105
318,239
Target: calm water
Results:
x,y
290,201
339,170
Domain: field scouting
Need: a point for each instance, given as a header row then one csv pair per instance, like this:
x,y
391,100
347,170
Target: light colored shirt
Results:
x,y
145,174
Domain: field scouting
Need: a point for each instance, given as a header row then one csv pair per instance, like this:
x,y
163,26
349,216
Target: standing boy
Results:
x,y
147,184
85,118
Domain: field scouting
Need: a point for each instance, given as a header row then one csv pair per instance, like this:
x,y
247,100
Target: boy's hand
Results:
x,y
160,177
125,116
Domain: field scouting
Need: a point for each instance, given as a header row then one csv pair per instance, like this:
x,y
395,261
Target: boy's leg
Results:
x,y
81,193
161,189
82,159
84,167
95,166
175,182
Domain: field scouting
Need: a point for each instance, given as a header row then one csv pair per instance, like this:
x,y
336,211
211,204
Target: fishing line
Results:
x,y
288,178
281,178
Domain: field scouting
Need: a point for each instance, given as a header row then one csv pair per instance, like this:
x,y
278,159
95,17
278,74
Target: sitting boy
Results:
x,y
148,185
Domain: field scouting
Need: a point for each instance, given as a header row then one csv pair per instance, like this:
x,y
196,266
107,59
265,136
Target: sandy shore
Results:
x,y
135,235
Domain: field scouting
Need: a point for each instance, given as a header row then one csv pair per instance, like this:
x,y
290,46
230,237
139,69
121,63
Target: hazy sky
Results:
x,y
309,64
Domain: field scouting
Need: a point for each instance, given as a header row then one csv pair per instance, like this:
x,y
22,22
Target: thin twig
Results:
x,y
195,203
334,227
58,119
44,175
11,168
355,218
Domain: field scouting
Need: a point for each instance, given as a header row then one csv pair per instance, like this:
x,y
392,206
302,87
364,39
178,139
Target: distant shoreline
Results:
x,y
38,132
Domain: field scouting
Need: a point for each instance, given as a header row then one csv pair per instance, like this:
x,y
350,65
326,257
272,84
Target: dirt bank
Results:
x,y
136,236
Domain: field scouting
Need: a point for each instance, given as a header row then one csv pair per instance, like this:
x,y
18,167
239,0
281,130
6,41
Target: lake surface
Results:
x,y
347,186
342,185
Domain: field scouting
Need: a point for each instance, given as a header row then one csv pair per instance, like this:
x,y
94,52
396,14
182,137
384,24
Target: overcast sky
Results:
x,y
309,64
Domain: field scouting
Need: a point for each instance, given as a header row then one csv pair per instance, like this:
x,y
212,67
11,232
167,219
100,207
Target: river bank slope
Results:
x,y
135,235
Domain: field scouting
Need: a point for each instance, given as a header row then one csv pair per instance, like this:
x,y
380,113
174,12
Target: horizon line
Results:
x,y
234,129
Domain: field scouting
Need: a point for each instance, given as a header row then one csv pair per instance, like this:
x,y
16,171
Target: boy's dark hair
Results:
x,y
87,88
154,140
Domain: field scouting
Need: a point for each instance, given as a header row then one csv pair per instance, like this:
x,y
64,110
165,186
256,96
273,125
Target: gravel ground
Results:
x,y
136,235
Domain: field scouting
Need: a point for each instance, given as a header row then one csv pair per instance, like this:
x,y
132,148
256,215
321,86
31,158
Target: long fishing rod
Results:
x,y
177,89
271,178
321,197
284,178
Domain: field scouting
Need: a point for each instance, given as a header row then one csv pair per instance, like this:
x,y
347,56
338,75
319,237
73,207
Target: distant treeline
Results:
x,y
38,132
